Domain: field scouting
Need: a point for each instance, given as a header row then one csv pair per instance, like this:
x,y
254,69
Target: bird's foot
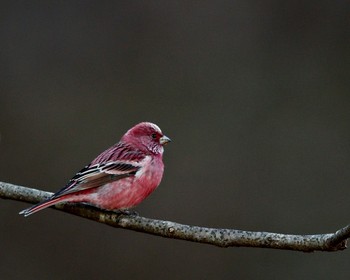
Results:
x,y
126,212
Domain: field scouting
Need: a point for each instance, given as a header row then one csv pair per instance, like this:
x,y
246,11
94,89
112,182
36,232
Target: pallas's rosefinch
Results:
x,y
120,177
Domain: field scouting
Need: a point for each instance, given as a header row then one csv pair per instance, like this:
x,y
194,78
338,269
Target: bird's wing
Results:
x,y
96,175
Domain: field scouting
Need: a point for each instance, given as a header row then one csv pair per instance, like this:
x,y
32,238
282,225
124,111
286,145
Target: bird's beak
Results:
x,y
164,140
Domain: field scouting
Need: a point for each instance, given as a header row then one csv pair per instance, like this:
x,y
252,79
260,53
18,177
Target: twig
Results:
x,y
214,236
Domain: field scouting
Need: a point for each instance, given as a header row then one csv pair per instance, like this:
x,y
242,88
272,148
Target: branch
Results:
x,y
214,236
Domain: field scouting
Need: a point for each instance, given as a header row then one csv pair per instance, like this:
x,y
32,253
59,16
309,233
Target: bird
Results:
x,y
119,178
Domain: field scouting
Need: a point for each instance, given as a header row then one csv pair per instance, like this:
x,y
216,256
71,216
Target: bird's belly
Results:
x,y
125,193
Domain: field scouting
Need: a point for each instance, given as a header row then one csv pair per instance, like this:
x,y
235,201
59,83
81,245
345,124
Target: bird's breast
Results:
x,y
151,172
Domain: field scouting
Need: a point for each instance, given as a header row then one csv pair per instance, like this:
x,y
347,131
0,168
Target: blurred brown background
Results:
x,y
254,94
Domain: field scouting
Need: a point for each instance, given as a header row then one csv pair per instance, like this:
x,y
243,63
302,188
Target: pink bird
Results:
x,y
119,178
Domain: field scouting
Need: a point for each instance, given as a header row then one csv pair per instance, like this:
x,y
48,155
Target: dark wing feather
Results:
x,y
96,175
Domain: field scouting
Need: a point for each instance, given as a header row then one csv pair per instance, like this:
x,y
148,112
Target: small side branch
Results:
x,y
215,236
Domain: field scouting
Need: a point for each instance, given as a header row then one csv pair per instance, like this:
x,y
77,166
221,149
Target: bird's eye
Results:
x,y
154,135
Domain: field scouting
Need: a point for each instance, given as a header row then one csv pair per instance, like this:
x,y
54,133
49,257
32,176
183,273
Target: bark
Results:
x,y
220,237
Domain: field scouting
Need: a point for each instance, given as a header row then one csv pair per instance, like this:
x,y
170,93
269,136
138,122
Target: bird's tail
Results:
x,y
40,206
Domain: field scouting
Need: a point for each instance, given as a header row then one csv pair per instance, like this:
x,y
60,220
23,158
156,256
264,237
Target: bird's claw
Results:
x,y
126,212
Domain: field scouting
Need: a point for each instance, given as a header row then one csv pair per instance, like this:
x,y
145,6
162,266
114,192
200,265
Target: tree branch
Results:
x,y
214,236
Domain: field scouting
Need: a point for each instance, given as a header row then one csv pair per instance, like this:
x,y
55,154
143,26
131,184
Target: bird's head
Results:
x,y
147,137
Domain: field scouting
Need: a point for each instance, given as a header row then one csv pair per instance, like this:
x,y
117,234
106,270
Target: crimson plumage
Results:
x,y
120,177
